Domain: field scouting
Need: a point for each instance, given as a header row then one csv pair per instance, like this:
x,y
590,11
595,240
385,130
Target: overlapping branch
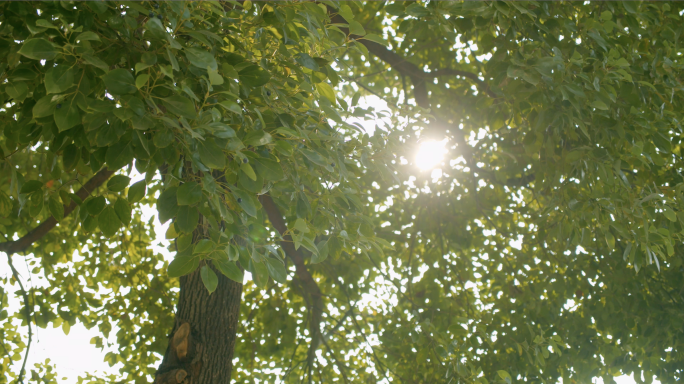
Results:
x,y
37,233
310,286
406,68
27,309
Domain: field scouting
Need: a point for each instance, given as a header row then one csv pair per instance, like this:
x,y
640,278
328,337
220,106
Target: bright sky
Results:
x,y
73,354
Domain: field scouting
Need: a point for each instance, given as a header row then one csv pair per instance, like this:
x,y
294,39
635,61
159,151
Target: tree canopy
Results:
x,y
547,247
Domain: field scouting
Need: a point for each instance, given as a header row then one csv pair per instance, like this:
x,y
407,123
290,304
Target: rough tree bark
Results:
x,y
201,345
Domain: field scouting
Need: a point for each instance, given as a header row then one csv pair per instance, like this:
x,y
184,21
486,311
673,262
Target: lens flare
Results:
x,y
430,154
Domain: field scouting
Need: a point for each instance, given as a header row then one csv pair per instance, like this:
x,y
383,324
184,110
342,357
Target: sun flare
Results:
x,y
430,154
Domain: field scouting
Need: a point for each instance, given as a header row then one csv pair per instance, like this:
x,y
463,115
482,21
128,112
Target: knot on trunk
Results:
x,y
184,357
182,344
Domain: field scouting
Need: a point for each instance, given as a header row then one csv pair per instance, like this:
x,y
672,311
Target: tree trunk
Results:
x,y
201,345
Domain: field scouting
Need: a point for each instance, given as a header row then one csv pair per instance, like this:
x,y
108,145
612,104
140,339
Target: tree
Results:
x,y
215,100
547,248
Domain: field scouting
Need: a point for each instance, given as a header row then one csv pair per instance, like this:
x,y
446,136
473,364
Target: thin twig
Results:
x,y
27,308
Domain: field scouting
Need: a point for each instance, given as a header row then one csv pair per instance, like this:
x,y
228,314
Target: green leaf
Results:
x,y
187,219
417,10
45,24
277,270
253,76
183,264
88,35
155,29
214,77
203,247
167,204
118,183
38,49
184,241
231,106
172,59
58,79
201,58
31,186
56,208
119,155
504,376
322,254
259,274
180,105
211,155
610,240
245,202
209,278
258,138
89,223
315,157
326,91
307,61
622,62
606,15
5,205
37,202
67,115
17,90
96,62
189,193
141,80
167,70
70,157
230,270
163,138
355,28
46,106
123,211
669,213
376,39
229,71
95,205
247,169
120,82
346,12
598,104
268,169
108,221
137,191
233,252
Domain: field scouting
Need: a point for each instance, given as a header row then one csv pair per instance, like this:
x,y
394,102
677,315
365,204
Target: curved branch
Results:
x,y
406,68
27,308
18,246
481,85
310,285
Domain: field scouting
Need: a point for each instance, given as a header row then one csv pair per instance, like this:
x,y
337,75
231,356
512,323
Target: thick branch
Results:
x,y
310,285
406,68
18,246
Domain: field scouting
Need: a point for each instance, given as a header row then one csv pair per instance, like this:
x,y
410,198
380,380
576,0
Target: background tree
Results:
x,y
546,249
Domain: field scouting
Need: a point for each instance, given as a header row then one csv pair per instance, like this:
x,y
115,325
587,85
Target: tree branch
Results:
x,y
481,85
310,285
27,309
406,68
18,246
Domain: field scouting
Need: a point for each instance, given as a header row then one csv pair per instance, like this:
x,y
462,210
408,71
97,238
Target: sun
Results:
x,y
430,154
